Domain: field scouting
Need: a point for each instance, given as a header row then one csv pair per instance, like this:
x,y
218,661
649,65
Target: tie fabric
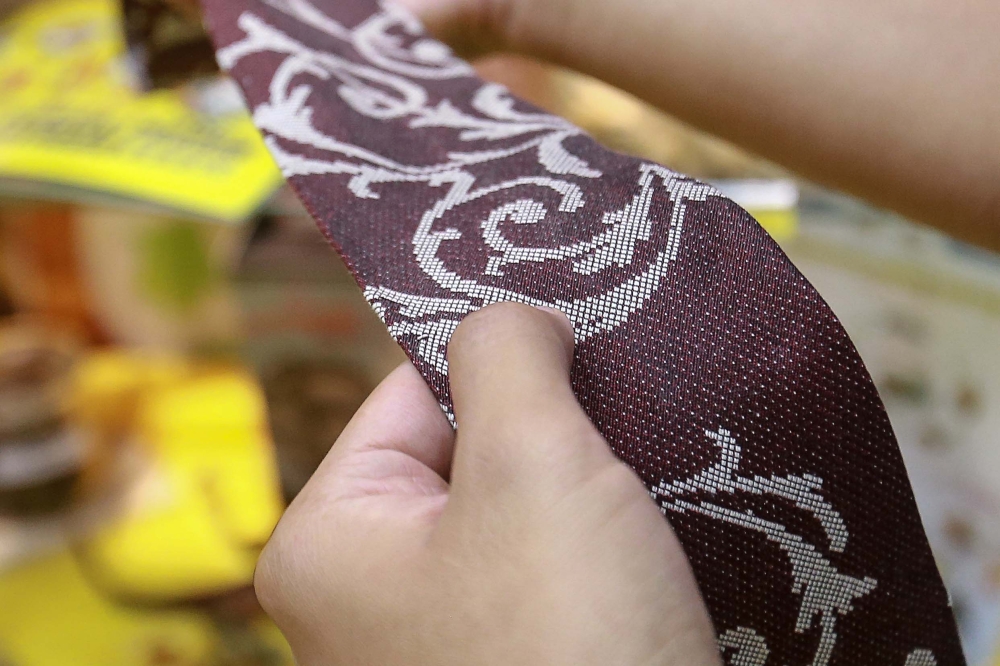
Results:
x,y
708,362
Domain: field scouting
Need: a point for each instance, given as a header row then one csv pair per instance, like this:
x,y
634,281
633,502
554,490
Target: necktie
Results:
x,y
708,362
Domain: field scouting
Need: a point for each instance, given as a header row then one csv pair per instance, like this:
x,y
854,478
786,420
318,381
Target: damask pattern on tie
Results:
x,y
708,362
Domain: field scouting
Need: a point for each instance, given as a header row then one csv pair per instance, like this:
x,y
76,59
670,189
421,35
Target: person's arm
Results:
x,y
895,101
519,540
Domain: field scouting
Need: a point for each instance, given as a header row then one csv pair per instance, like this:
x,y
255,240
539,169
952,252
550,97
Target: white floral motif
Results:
x,y
387,85
746,647
385,88
826,593
749,648
921,658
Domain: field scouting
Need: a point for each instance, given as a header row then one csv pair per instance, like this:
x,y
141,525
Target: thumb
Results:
x,y
519,423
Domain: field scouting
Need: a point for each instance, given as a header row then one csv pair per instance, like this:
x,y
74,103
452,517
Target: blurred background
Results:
x,y
179,347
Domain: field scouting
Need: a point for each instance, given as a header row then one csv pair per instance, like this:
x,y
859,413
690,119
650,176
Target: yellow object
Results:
x,y
195,519
214,429
782,224
52,616
271,636
772,202
68,115
107,385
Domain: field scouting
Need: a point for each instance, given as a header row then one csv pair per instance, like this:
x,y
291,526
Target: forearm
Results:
x,y
896,101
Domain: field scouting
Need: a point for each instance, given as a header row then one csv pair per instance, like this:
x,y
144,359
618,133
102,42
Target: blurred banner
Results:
x,y
70,116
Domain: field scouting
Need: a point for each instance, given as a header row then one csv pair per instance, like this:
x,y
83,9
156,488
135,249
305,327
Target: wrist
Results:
x,y
535,28
594,37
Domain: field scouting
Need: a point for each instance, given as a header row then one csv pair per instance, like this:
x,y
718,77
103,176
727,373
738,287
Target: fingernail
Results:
x,y
561,316
554,311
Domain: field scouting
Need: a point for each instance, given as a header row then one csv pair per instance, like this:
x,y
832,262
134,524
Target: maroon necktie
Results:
x,y
707,361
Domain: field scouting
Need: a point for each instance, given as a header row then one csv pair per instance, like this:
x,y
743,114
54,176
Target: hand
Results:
x,y
520,540
470,27
808,85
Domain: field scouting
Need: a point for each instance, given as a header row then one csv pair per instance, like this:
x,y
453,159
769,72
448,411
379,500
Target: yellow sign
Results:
x,y
68,116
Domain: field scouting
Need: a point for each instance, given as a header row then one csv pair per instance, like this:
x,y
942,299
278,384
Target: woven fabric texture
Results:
x,y
709,363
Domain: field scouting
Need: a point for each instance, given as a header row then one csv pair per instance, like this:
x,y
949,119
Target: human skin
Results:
x,y
520,539
894,101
